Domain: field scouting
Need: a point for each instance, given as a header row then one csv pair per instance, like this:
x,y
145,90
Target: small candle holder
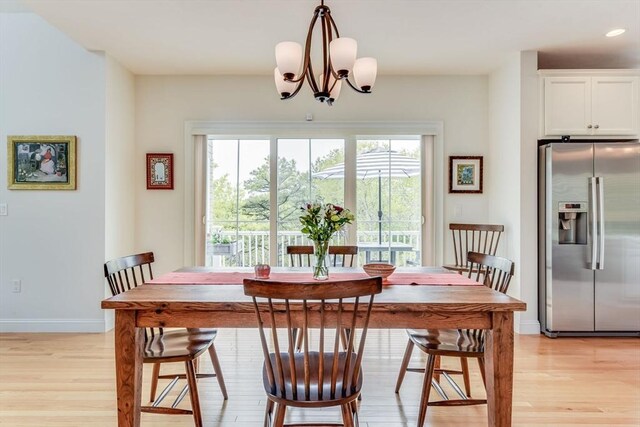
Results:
x,y
262,271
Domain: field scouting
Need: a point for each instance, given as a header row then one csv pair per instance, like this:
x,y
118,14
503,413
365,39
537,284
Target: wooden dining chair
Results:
x,y
166,346
322,374
494,272
342,256
300,256
482,238
339,256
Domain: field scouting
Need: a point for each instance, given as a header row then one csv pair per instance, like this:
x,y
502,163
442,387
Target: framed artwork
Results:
x,y
465,174
40,162
159,171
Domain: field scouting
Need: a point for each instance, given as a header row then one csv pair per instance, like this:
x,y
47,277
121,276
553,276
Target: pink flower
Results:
x,y
338,208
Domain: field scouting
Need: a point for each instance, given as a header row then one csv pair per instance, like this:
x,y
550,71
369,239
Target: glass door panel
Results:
x,y
389,203
237,220
300,162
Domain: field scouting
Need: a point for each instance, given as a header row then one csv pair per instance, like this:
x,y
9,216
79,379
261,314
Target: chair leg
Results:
x,y
217,370
268,413
436,366
193,392
404,365
426,389
281,411
347,415
464,367
154,382
481,365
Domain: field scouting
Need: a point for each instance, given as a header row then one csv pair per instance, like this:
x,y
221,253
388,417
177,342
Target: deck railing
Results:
x,y
252,247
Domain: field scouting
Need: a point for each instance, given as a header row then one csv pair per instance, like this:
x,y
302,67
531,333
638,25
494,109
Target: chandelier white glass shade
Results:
x,y
339,63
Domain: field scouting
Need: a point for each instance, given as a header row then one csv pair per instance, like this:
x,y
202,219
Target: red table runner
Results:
x,y
235,278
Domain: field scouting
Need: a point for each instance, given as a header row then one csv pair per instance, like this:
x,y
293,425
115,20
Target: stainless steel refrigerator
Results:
x,y
589,238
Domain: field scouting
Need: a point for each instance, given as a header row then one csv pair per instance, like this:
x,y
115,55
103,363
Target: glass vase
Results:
x,y
321,262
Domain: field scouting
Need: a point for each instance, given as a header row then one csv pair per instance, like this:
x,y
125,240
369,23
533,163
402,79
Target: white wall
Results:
x,y
165,103
120,164
53,241
513,175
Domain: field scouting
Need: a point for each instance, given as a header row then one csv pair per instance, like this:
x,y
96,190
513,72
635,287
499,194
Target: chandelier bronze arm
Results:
x,y
365,89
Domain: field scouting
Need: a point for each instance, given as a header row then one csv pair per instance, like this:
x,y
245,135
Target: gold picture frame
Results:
x,y
41,162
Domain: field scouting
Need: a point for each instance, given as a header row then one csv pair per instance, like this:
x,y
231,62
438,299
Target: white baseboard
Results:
x,y
52,325
528,327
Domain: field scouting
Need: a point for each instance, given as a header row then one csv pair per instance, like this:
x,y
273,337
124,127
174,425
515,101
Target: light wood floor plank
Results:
x,y
46,381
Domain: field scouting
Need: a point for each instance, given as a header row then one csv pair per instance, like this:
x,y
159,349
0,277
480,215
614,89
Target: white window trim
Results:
x,y
345,130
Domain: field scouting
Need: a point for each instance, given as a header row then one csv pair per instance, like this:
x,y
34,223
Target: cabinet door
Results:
x,y
567,105
614,109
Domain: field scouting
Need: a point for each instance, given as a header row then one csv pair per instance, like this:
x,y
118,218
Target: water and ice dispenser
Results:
x,y
572,223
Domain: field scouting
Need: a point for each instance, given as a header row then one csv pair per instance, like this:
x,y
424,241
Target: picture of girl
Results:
x,y
47,165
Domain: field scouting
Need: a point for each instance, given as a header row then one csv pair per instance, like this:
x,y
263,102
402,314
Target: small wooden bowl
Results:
x,y
379,269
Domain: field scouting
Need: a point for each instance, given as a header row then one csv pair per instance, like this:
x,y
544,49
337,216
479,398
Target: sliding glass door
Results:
x,y
256,187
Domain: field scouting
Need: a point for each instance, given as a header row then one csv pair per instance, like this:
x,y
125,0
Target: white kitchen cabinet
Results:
x,y
591,105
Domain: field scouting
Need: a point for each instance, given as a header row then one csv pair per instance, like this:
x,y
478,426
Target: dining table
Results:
x,y
417,297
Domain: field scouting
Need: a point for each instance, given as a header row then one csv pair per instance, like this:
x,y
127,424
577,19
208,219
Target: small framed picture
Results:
x,y
159,171
465,174
41,162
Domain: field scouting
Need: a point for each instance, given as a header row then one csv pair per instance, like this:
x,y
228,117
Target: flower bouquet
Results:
x,y
319,223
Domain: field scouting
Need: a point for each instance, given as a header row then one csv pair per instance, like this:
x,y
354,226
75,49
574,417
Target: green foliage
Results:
x,y
400,197
223,202
293,189
218,238
320,222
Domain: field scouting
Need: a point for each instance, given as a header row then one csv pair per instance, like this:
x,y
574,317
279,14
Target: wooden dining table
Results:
x,y
418,298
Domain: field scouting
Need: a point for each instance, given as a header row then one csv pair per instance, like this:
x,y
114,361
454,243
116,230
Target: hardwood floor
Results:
x,y
45,380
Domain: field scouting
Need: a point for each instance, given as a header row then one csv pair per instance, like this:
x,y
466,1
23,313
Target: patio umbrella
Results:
x,y
377,164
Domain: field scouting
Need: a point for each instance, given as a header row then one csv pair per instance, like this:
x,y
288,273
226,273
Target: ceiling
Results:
x,y
408,37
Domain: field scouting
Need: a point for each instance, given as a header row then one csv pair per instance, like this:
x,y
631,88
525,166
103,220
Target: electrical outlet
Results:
x,y
3,209
16,286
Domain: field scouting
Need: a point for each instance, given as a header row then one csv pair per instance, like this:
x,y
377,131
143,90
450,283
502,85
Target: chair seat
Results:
x,y
178,345
314,363
446,342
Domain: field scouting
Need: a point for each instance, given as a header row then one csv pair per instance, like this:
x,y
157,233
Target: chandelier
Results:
x,y
338,63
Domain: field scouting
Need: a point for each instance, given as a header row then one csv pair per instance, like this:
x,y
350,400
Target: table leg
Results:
x,y
128,342
499,369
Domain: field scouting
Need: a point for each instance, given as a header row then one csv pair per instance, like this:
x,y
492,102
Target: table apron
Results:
x,y
386,320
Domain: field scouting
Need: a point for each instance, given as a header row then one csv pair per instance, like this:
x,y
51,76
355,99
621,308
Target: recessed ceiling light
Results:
x,y
615,32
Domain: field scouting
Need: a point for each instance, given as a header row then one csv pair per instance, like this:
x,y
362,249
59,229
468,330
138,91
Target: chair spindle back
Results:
x,y
300,256
483,238
342,256
331,305
128,272
494,272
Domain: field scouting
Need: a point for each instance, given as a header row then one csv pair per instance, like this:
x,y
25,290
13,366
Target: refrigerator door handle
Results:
x,y
594,223
601,233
